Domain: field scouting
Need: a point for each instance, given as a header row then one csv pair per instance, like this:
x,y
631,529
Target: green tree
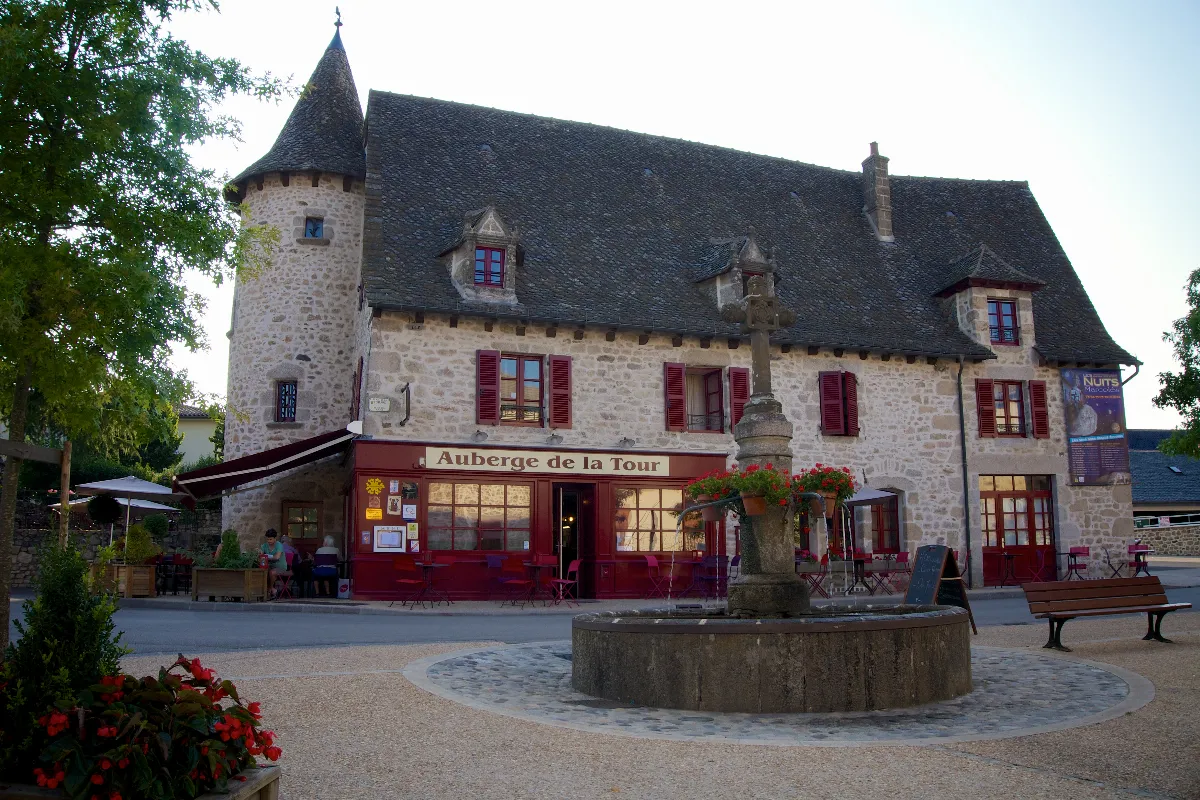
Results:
x,y
101,214
1182,391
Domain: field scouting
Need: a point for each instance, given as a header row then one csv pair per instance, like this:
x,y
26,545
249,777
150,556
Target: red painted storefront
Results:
x,y
471,502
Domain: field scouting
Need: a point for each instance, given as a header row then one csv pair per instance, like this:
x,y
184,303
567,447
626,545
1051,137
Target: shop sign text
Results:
x,y
564,462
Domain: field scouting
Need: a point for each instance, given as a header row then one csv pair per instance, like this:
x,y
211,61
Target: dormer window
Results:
x,y
314,228
489,266
1002,322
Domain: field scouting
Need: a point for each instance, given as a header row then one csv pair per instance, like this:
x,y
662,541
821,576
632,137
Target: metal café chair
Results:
x,y
656,578
711,578
516,578
562,587
880,571
406,565
1078,570
1139,553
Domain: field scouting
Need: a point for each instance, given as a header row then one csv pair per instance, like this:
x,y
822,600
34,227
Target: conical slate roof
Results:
x,y
982,267
325,129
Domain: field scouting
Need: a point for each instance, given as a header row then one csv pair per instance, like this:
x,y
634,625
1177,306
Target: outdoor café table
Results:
x,y
428,590
1009,568
860,575
535,571
1140,564
815,575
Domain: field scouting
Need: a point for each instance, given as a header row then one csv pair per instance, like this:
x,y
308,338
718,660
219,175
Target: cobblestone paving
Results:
x,y
1016,693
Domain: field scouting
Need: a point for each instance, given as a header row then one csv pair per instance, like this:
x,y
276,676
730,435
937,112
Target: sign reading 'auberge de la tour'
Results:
x,y
564,461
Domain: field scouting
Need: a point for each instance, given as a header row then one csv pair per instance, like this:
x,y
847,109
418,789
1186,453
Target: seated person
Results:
x,y
325,568
276,558
302,568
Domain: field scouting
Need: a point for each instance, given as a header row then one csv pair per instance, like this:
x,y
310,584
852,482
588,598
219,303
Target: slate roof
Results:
x,y
982,267
1153,479
190,412
616,227
325,129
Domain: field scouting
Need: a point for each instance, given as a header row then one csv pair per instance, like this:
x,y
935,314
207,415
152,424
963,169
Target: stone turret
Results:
x,y
295,321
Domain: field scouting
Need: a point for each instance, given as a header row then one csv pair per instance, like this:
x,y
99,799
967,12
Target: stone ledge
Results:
x,y
310,240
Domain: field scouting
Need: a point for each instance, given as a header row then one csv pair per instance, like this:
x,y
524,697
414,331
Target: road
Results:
x,y
170,631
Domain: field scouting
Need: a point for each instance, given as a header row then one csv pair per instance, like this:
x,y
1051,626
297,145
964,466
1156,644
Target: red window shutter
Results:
x,y
739,393
985,406
1041,410
851,390
487,387
833,420
560,391
675,395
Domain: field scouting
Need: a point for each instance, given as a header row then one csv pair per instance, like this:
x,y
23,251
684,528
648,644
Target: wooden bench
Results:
x,y
1060,601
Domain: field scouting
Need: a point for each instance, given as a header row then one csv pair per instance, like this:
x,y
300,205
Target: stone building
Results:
x,y
485,329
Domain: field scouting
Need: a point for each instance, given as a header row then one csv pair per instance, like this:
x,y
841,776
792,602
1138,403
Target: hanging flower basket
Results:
x,y
831,502
755,504
712,513
835,484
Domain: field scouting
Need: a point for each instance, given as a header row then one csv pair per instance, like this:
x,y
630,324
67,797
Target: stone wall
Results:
x,y
1176,540
908,414
200,531
294,321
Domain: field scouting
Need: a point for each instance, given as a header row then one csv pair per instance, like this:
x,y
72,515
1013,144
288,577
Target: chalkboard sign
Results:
x,y
936,581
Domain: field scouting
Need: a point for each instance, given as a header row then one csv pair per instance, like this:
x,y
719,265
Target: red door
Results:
x,y
1018,529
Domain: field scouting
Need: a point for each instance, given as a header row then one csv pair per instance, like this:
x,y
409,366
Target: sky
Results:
x,y
1094,103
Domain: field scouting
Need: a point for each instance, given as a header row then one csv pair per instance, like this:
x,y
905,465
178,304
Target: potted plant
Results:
x,y
715,485
122,566
835,484
180,735
761,488
231,573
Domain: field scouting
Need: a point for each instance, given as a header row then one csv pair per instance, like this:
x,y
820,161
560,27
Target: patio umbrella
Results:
x,y
867,496
131,488
144,505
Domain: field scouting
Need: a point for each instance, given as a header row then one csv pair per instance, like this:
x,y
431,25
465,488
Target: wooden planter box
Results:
x,y
260,784
127,580
247,584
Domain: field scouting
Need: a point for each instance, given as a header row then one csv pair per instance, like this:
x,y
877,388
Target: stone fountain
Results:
x,y
769,651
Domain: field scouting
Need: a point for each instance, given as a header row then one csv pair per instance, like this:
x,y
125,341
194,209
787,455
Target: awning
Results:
x,y
211,481
867,496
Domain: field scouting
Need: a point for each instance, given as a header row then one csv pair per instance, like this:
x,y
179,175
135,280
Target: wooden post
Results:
x,y
65,493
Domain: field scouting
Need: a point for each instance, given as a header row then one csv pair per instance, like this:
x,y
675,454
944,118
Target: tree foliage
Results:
x,y
1181,391
101,215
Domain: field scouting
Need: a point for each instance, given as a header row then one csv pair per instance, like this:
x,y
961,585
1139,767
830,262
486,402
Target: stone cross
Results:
x,y
760,312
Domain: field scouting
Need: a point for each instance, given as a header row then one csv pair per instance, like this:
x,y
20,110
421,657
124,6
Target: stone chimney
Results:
x,y
877,194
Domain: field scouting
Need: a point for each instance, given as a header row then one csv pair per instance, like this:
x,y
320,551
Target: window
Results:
x,y
521,390
1002,322
885,522
694,397
285,401
705,404
645,520
1001,408
314,228
838,392
302,520
1008,398
1016,510
475,516
489,266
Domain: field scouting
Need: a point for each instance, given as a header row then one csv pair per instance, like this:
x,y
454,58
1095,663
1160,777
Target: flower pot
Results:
x,y
712,513
249,784
831,502
756,505
246,584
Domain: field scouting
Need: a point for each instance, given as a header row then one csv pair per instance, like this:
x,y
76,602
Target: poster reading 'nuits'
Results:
x,y
1097,450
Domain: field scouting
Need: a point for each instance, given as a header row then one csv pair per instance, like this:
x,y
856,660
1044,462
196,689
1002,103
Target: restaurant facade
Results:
x,y
487,334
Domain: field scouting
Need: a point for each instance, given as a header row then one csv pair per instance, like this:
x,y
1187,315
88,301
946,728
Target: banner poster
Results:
x,y
1097,448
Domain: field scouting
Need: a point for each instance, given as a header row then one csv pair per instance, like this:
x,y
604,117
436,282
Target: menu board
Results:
x,y
1097,447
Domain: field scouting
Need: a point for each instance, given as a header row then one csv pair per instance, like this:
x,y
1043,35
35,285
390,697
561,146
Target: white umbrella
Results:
x,y
867,496
130,487
144,505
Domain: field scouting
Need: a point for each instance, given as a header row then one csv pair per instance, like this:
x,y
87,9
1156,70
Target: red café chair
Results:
x,y
902,561
656,578
562,586
410,580
1075,567
284,577
514,576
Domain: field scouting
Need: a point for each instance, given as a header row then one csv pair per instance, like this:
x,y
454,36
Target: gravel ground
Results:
x,y
352,727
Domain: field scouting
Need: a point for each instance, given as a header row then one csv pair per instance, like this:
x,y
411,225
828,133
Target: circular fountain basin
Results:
x,y
871,658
